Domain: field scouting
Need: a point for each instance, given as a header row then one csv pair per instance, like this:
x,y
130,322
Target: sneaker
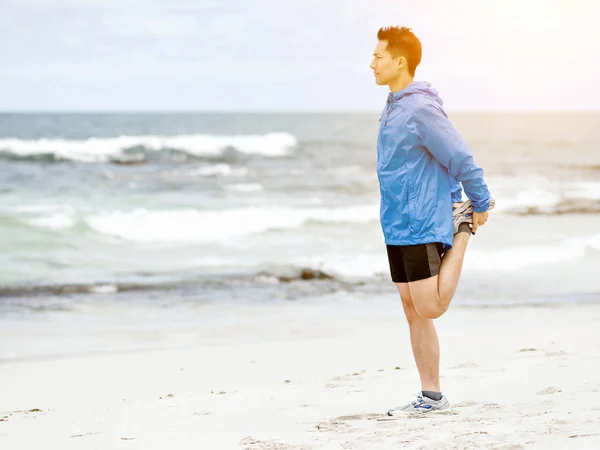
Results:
x,y
420,405
464,213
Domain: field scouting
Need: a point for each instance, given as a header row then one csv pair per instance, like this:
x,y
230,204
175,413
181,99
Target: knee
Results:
x,y
431,311
409,311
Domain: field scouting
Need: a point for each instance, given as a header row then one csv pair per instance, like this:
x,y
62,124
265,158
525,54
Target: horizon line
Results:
x,y
298,111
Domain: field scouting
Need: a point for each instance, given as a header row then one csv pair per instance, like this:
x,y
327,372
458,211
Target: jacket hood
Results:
x,y
416,88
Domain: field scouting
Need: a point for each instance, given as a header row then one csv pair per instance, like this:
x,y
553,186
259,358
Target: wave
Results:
x,y
245,187
519,258
578,206
58,221
369,264
268,275
526,196
217,170
135,149
356,266
191,225
66,289
53,216
548,205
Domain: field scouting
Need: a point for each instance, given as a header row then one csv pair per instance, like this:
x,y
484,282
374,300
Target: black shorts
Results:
x,y
414,262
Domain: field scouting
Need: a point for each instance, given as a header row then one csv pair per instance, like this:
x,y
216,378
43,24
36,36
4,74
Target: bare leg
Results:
x,y
432,296
424,341
451,268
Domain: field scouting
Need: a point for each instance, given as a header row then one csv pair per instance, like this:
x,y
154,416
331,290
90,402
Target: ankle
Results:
x,y
432,394
432,386
464,228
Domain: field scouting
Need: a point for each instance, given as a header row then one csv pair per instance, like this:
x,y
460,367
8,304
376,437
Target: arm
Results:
x,y
449,148
456,190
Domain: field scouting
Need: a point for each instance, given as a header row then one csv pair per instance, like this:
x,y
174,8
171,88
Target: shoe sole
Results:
x,y
462,208
466,205
418,413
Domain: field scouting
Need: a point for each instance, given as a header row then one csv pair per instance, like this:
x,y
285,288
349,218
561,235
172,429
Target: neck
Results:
x,y
401,82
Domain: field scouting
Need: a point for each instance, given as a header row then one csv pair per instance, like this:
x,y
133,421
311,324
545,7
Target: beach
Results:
x,y
219,281
521,377
195,202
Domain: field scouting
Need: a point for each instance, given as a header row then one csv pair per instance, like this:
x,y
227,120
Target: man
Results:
x,y
421,159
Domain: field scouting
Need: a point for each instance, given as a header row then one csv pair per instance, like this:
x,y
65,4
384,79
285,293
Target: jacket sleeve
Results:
x,y
456,190
443,141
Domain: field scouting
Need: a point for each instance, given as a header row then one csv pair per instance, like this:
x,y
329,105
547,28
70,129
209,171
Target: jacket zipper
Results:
x,y
387,113
408,201
408,205
388,109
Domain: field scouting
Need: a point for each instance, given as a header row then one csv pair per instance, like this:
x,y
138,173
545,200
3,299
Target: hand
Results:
x,y
478,220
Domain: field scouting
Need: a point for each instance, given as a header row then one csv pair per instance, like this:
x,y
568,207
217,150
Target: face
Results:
x,y
385,67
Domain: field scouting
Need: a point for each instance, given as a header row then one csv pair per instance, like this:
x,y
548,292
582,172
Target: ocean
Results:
x,y
203,220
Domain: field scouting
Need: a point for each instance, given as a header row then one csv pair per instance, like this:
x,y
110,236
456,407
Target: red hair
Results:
x,y
401,41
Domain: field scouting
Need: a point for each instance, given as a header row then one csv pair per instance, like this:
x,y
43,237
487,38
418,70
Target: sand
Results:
x,y
524,377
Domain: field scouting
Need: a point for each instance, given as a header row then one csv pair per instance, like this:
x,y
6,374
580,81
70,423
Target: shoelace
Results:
x,y
418,401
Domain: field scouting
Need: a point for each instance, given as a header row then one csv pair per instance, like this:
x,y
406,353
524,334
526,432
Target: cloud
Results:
x,y
509,54
160,25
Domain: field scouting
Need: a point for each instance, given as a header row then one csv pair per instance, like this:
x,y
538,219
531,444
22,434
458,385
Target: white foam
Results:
x,y
351,214
539,199
589,190
104,289
190,225
593,242
56,216
55,221
347,170
519,258
360,265
214,261
245,187
520,193
218,169
45,208
102,149
367,264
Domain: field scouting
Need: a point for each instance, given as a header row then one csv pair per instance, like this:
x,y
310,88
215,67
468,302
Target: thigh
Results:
x,y
422,263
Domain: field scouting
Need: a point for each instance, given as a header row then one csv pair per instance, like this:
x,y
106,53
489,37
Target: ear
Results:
x,y
402,62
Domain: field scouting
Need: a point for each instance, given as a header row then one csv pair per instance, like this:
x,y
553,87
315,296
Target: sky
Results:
x,y
292,55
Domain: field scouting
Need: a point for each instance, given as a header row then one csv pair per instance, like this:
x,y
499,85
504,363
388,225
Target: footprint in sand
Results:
x,y
466,404
348,376
583,435
367,416
550,390
341,380
556,353
251,443
508,447
467,365
26,413
418,415
90,433
335,426
488,407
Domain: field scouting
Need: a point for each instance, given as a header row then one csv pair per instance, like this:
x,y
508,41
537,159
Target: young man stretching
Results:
x,y
421,163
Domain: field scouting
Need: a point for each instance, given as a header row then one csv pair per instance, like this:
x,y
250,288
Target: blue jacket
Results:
x,y
421,159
